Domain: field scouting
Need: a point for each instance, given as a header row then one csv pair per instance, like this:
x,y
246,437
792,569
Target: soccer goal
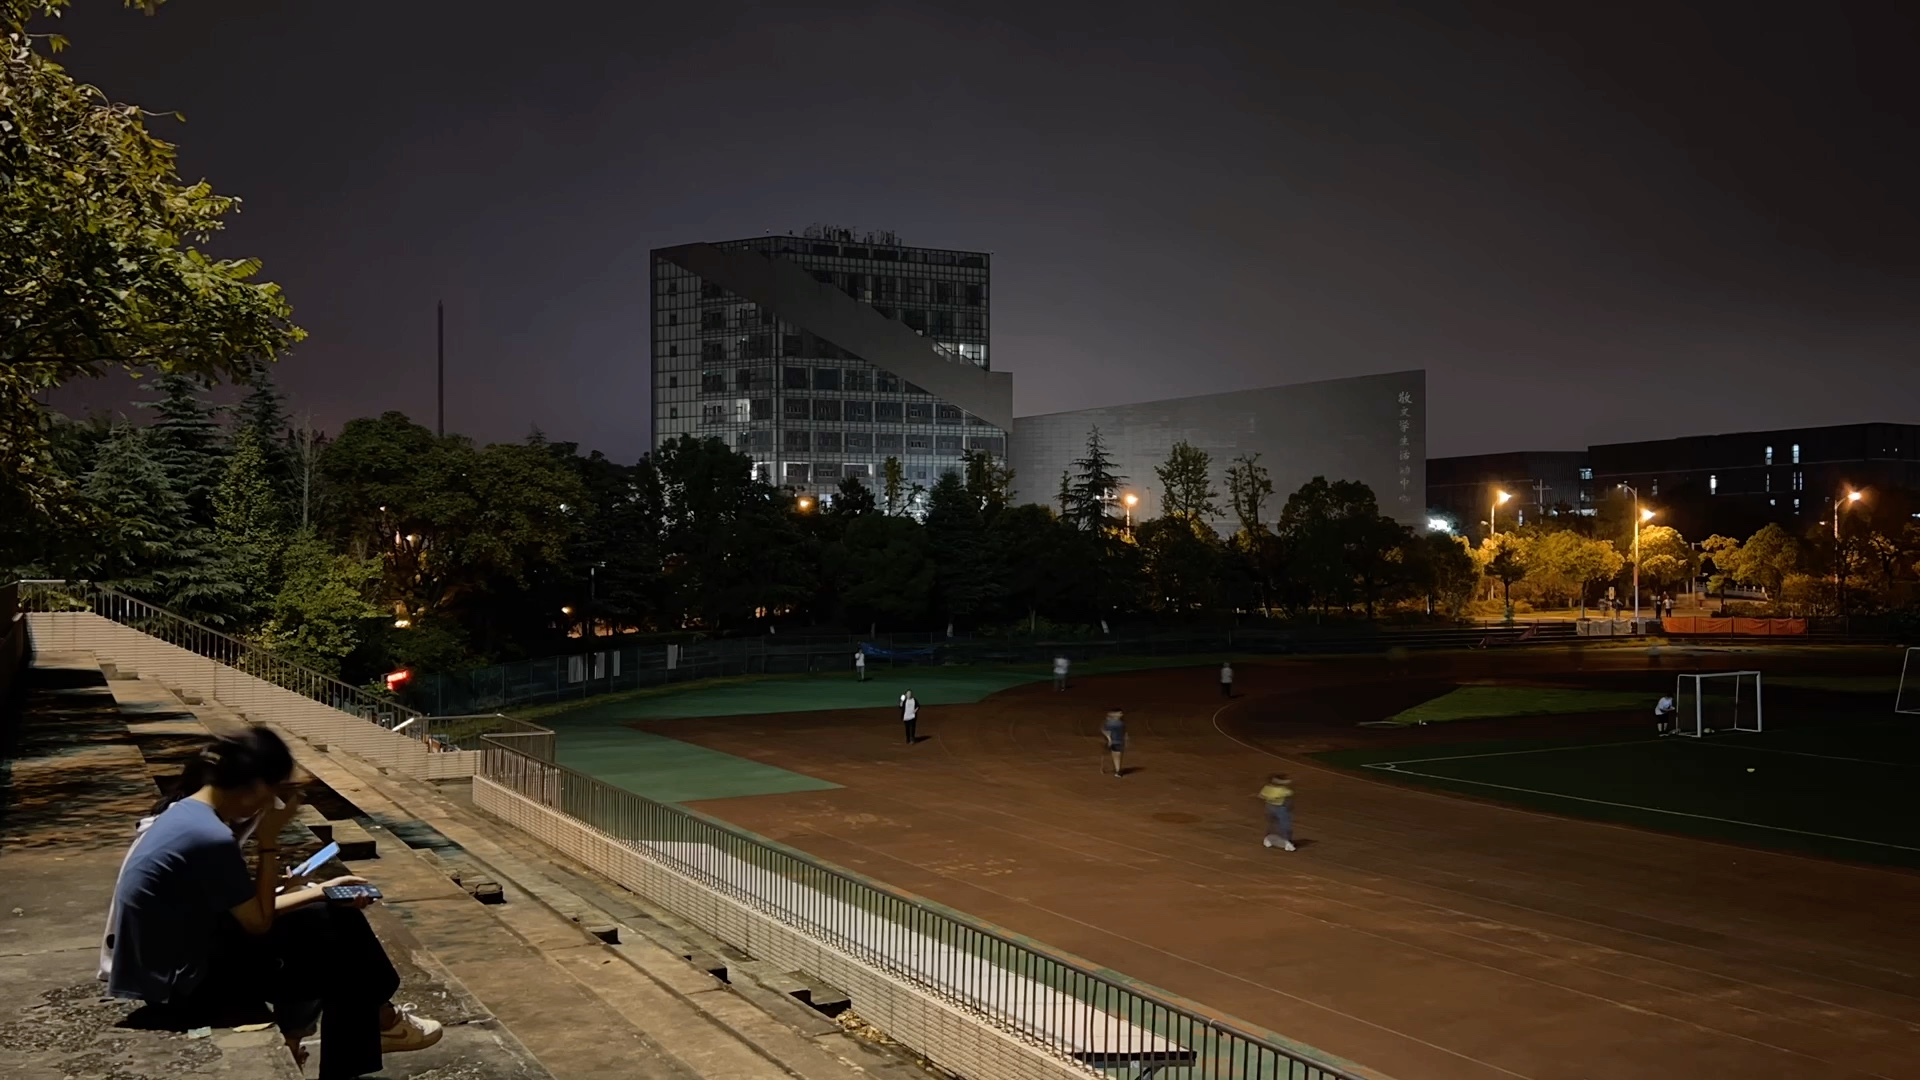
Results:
x,y
1716,701
1907,699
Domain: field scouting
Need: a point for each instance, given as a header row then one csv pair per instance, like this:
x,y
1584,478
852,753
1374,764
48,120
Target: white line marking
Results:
x,y
1803,753
1511,753
1647,809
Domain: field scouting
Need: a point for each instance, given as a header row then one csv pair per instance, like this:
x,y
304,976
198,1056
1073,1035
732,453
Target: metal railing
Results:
x,y
244,656
1056,1003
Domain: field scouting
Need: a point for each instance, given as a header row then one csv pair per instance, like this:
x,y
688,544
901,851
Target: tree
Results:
x,y
250,518
882,572
264,413
148,543
850,500
989,481
732,547
1183,566
1765,560
318,617
1248,488
96,264
187,442
1090,497
966,584
893,487
1186,485
1506,562
1565,565
1442,565
1333,534
1666,559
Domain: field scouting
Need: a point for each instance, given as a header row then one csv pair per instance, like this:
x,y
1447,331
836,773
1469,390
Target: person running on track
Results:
x,y
1114,728
1278,795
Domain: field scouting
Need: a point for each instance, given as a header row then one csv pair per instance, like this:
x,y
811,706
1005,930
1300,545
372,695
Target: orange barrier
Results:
x,y
1700,624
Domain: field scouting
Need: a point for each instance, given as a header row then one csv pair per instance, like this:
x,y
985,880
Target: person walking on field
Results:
x,y
910,713
1226,679
1059,673
1114,729
860,664
1278,795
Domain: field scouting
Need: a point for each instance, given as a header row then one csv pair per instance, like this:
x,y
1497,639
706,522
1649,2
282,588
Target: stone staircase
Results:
x,y
553,951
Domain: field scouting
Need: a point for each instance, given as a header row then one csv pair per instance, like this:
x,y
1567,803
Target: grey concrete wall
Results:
x,y
1342,429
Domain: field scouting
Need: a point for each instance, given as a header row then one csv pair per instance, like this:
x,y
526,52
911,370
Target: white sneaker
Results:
x,y
411,1033
1266,841
1286,845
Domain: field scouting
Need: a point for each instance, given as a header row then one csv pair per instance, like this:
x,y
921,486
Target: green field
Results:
x,y
1488,702
1839,790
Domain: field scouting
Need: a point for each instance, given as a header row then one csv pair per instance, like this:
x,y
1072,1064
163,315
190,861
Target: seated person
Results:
x,y
192,930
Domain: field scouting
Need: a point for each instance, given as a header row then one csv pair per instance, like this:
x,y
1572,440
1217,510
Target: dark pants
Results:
x,y
319,962
912,726
1226,689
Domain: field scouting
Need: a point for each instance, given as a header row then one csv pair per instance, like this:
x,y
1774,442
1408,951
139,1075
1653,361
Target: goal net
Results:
x,y
1907,699
1717,701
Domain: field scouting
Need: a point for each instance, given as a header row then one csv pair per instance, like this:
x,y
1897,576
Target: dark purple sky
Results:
x,y
1619,222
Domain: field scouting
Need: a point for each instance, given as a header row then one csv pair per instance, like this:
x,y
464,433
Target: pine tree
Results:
x,y
1094,486
250,518
148,543
264,413
187,443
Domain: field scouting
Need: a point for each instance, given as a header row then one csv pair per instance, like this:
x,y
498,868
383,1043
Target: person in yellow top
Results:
x,y
1278,795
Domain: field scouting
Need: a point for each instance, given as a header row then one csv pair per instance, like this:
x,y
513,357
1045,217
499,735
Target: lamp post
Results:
x,y
1839,590
1498,498
1640,518
1129,499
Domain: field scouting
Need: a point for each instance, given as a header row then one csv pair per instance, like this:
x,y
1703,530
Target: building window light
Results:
x,y
1796,453
1769,460
1713,485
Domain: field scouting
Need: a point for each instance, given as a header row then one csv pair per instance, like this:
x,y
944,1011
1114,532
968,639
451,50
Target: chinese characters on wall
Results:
x,y
1404,422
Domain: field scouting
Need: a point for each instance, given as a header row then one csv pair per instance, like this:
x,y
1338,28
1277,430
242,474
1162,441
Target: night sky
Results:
x,y
1590,225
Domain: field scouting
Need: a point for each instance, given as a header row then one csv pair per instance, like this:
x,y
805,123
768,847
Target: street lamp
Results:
x,y
1498,498
1839,591
1640,518
1130,498
805,504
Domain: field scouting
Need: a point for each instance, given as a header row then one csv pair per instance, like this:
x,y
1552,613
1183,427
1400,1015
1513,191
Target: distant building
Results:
x,y
1729,483
820,356
1540,482
1372,428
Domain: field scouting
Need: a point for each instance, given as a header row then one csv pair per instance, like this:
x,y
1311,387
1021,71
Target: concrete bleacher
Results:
x,y
526,993
1034,1008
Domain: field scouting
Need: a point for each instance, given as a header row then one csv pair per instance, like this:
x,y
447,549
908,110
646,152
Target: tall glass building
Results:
x,y
819,356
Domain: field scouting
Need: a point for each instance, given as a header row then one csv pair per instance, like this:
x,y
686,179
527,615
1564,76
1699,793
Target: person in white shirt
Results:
x,y
1226,679
1663,716
910,712
1059,673
860,664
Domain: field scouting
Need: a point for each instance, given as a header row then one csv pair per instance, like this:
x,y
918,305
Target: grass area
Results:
x,y
1843,684
1837,789
1487,702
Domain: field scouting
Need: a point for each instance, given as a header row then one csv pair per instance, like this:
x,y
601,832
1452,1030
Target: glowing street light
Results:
x,y
1839,596
1499,497
1640,518
805,504
1130,499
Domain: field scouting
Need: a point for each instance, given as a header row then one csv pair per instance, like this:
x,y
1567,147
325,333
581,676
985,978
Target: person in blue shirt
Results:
x,y
193,931
1114,729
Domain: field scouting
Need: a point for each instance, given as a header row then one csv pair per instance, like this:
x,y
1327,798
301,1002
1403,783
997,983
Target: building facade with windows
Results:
x,y
1703,484
1371,428
822,355
1462,490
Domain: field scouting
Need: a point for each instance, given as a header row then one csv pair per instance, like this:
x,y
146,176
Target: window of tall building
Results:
x,y
713,382
827,440
948,414
859,411
886,382
673,382
673,318
713,350
856,381
1713,485
943,292
826,410
794,378
859,440
919,442
797,409
673,350
673,413
919,412
762,408
1796,506
976,295
1799,481
826,378
797,440
947,444
1769,456
888,412
713,414
1795,450
713,320
797,471
790,344
887,443
858,470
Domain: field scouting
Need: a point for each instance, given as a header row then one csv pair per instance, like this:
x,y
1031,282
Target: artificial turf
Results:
x,y
1841,789
1488,702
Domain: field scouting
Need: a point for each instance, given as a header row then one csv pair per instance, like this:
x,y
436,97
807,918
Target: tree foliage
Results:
x,y
1186,485
1088,500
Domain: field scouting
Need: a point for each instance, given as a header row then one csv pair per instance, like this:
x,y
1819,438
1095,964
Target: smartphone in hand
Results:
x,y
342,894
